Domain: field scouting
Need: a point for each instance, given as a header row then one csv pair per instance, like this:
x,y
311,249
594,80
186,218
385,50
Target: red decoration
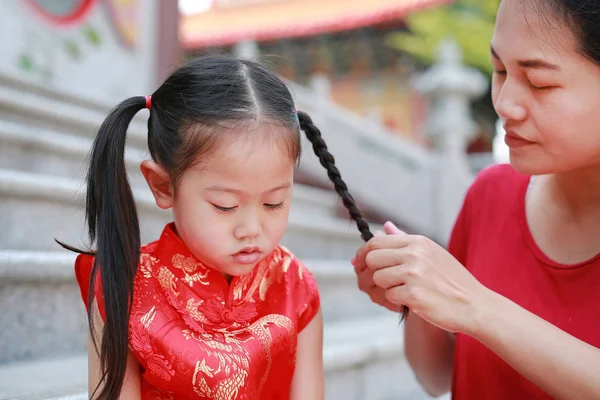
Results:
x,y
62,12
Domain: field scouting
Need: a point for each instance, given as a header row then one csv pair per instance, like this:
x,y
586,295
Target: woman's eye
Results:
x,y
541,87
274,206
224,209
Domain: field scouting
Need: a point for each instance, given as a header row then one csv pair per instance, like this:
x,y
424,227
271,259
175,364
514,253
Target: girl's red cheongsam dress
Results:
x,y
198,337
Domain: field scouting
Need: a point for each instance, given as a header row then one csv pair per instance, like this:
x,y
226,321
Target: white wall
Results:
x,y
107,71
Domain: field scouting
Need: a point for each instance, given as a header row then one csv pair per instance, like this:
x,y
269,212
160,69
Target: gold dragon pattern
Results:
x,y
233,359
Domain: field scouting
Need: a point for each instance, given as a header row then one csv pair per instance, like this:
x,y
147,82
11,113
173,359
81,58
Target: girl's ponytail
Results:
x,y
326,158
112,222
320,148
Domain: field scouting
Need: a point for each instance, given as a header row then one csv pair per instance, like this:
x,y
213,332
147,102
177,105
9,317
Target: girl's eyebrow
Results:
x,y
218,188
534,63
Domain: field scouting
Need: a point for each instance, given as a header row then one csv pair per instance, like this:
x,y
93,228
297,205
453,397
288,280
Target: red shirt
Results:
x,y
492,239
198,337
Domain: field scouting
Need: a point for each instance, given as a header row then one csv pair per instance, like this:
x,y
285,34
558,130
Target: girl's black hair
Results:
x,y
320,148
583,18
190,112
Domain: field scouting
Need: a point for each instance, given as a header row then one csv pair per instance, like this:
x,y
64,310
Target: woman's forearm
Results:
x,y
430,353
558,363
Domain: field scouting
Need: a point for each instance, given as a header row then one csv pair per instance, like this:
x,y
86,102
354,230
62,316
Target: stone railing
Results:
x,y
420,189
383,172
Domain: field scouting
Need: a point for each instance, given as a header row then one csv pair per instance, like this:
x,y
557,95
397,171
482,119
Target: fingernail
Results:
x,y
379,233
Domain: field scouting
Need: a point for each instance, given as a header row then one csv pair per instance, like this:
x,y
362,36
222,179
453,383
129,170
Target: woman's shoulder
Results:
x,y
498,177
496,183
495,190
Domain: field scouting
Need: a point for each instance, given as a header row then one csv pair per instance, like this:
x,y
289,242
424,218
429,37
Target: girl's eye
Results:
x,y
499,72
274,206
542,87
224,209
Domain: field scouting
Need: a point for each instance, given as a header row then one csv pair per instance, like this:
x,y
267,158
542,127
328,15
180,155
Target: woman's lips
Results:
x,y
515,141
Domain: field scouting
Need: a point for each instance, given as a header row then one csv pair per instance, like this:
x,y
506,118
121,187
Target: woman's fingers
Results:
x,y
389,277
380,242
365,279
400,295
392,229
398,275
375,293
384,258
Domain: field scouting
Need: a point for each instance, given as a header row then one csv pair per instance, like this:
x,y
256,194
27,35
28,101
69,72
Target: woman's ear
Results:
x,y
159,182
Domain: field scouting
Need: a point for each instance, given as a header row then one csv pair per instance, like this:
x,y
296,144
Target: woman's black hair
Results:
x,y
583,18
189,114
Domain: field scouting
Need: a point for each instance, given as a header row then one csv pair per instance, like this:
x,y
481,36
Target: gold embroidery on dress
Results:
x,y
141,343
280,263
259,328
233,358
147,318
274,266
300,270
168,280
146,264
189,265
232,361
193,309
222,333
286,260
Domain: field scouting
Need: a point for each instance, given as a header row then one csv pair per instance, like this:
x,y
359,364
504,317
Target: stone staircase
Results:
x,y
44,140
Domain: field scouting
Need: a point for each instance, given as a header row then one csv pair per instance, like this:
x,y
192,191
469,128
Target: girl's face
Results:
x,y
546,93
232,209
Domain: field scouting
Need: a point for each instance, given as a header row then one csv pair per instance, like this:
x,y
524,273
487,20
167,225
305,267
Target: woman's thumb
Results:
x,y
392,229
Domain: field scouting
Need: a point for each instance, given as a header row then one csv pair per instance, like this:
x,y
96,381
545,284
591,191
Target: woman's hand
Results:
x,y
366,284
400,269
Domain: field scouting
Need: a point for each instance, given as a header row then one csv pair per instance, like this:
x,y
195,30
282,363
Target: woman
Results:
x,y
526,309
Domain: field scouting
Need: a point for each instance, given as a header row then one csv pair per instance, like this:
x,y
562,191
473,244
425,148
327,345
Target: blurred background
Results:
x,y
399,88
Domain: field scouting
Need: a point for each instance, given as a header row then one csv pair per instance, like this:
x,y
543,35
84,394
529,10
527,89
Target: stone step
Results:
x,y
42,312
30,104
38,208
363,359
44,151
340,297
58,378
44,315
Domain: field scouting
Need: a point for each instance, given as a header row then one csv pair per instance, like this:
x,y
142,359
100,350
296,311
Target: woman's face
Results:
x,y
545,91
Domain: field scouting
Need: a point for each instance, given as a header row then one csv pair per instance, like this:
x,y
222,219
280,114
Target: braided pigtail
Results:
x,y
314,135
327,160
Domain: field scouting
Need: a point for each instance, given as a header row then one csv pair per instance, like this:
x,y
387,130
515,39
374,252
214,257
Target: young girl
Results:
x,y
526,307
215,308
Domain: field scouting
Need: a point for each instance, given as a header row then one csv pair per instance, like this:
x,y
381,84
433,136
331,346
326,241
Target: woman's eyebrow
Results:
x,y
534,63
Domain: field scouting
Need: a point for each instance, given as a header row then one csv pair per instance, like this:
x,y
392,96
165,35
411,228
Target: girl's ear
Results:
x,y
159,183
